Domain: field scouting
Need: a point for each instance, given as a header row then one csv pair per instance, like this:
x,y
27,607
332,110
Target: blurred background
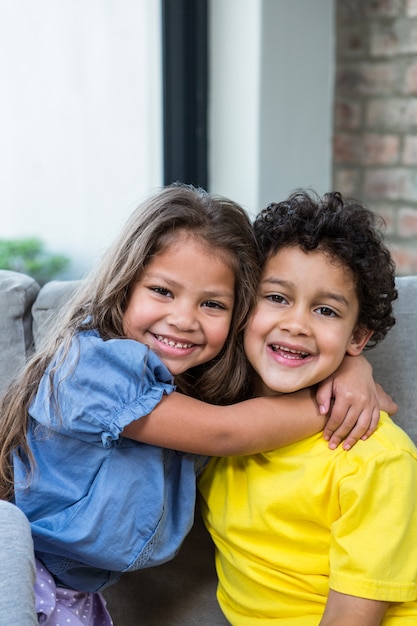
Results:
x,y
104,101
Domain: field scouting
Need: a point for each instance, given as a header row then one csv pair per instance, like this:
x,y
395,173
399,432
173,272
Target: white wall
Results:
x,y
81,111
272,67
80,119
235,98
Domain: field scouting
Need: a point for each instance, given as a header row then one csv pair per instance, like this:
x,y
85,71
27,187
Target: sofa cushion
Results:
x,y
18,293
395,359
51,298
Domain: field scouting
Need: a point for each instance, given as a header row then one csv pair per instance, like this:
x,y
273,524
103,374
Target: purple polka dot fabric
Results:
x,y
59,606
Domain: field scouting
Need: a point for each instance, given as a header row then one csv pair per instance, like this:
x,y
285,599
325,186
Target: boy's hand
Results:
x,y
354,401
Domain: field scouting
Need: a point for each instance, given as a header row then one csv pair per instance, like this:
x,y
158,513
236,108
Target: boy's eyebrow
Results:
x,y
338,297
277,281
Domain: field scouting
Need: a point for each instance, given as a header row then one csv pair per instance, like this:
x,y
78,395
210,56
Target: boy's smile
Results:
x,y
304,323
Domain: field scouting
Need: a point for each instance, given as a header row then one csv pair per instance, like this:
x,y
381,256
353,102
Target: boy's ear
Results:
x,y
358,341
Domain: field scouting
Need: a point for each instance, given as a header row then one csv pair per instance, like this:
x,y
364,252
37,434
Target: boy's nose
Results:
x,y
295,321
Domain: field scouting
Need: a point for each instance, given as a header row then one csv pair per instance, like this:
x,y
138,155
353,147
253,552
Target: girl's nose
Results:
x,y
183,317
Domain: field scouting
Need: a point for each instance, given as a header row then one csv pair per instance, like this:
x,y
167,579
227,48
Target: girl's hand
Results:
x,y
354,401
386,403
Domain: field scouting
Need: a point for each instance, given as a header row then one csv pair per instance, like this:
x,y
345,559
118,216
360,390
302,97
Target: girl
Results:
x,y
169,299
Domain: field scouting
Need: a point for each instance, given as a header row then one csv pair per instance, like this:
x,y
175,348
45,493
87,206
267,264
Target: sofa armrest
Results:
x,y
17,294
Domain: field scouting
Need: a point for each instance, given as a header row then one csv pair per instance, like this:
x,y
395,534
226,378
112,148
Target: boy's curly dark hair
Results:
x,y
346,231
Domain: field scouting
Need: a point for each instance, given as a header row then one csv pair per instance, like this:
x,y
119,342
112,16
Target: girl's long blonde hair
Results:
x,y
101,301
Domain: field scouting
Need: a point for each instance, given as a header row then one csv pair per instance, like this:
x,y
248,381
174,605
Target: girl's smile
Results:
x,y
181,306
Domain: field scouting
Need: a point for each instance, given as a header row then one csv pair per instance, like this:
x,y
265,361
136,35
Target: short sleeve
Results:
x,y
370,552
100,387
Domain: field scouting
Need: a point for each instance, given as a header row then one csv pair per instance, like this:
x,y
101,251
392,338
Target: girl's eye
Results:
x,y
211,304
326,311
161,290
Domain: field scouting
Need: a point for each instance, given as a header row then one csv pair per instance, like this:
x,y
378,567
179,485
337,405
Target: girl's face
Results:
x,y
182,304
304,323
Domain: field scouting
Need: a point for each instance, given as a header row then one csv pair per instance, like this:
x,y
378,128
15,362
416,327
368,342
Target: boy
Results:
x,y
306,536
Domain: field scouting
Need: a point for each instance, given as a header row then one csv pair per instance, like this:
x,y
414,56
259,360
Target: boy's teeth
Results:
x,y
174,344
283,349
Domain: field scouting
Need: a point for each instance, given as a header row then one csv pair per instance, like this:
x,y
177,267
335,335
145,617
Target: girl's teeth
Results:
x,y
174,344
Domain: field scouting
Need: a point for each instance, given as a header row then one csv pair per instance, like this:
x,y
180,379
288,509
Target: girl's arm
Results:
x,y
344,610
355,401
183,423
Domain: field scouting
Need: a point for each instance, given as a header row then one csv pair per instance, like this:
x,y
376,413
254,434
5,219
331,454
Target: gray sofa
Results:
x,y
182,592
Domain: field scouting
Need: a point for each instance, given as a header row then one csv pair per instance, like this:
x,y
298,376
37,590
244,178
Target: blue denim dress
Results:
x,y
101,504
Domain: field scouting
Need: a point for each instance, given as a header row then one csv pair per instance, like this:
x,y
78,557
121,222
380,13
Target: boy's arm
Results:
x,y
183,423
344,610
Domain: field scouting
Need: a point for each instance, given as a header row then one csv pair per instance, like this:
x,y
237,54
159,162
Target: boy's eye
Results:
x,y
277,298
326,311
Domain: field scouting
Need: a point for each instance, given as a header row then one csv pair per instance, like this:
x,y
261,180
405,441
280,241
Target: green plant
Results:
x,y
30,257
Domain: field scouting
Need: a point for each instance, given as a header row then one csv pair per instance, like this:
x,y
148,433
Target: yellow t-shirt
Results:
x,y
290,523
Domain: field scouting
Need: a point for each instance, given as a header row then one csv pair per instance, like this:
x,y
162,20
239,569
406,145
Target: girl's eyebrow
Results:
x,y
206,293
219,294
330,295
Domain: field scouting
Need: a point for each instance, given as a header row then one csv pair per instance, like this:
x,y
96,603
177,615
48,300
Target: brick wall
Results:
x,y
375,117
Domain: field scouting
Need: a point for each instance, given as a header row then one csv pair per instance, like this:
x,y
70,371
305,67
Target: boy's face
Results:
x,y
304,323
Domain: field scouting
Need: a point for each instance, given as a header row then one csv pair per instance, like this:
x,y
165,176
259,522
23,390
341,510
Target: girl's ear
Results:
x,y
358,341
